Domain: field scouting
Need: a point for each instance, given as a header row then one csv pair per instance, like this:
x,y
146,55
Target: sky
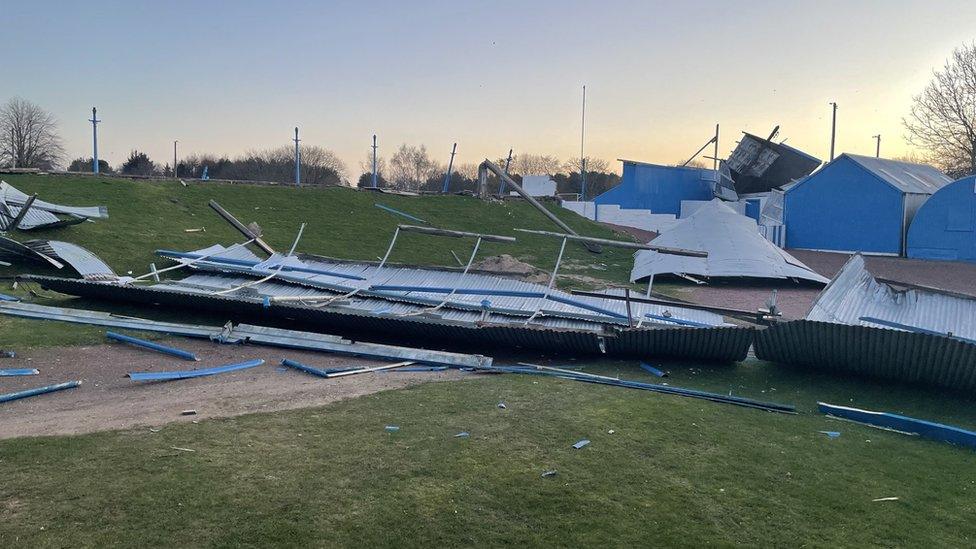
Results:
x,y
226,77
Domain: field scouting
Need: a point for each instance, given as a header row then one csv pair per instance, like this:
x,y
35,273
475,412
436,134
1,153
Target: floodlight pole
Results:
x,y
175,173
877,146
298,161
715,156
583,158
833,129
508,162
450,166
374,160
94,120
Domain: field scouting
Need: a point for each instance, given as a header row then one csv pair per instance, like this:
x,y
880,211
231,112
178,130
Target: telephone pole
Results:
x,y
298,161
94,120
450,166
175,172
583,158
374,160
833,130
877,145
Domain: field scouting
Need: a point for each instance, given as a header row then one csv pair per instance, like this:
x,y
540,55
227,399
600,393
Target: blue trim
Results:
x,y
678,321
909,328
172,351
248,263
920,427
39,391
185,374
648,368
18,372
398,212
5,297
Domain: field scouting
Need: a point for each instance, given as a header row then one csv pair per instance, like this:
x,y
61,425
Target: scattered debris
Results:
x,y
10,372
502,405
5,297
581,444
186,374
462,434
39,391
398,212
550,473
392,428
188,413
200,230
831,434
8,354
172,351
182,449
902,424
648,368
21,211
886,499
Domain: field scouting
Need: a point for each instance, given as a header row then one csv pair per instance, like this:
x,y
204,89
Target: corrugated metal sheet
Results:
x,y
907,177
87,264
854,294
759,165
15,197
735,249
871,352
33,219
723,343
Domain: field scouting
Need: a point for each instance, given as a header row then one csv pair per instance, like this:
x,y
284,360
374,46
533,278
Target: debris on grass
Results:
x,y
462,434
166,350
39,391
188,413
902,424
392,428
185,374
886,499
651,369
182,449
581,444
550,473
502,405
831,434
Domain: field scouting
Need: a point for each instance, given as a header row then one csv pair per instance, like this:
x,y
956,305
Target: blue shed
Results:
x,y
858,203
659,189
945,226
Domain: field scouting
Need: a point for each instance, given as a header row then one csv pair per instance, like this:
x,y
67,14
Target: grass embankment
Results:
x,y
675,472
146,216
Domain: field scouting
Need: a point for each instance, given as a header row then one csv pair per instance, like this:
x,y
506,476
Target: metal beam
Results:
x,y
23,212
228,217
455,234
619,243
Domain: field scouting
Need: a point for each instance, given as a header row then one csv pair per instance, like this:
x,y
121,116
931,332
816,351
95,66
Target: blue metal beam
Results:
x,y
398,212
185,374
9,372
252,263
904,424
172,351
39,391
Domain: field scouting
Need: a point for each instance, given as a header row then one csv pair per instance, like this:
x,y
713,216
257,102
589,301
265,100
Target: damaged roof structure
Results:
x,y
735,249
892,330
57,254
19,210
760,165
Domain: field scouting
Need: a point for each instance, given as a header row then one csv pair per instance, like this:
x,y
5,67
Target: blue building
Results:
x,y
858,203
659,189
945,226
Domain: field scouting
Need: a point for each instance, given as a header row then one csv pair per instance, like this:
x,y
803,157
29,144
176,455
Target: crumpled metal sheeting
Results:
x,y
33,219
854,293
638,343
87,264
12,249
434,278
871,352
16,197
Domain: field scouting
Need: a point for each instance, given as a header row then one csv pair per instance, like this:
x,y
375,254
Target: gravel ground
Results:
x,y
794,300
108,400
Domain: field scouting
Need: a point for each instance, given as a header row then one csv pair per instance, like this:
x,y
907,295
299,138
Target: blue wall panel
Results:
x,y
844,207
753,208
659,188
945,226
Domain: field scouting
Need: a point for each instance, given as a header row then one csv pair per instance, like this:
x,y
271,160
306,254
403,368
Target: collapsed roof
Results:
x,y
57,254
735,249
759,164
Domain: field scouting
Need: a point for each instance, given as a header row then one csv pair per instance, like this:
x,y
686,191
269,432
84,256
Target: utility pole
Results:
x,y
501,187
450,166
298,161
374,160
94,120
877,146
175,173
583,158
715,155
833,130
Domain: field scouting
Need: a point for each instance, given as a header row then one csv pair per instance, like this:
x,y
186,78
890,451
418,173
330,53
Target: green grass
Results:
x,y
676,472
144,217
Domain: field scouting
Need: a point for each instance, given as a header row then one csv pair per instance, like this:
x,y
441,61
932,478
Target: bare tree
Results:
x,y
29,136
411,167
535,164
592,165
943,116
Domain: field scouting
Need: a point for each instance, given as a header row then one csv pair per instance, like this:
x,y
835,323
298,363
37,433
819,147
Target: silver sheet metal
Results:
x,y
33,219
15,197
854,294
87,264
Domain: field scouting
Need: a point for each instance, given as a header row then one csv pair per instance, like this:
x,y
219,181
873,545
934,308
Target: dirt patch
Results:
x,y
506,265
640,234
107,400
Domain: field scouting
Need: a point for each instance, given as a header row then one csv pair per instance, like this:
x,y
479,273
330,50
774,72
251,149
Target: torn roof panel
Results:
x,y
87,264
854,294
16,197
735,249
758,164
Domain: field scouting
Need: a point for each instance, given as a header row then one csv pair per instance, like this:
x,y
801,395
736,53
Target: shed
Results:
x,y
760,165
659,189
858,203
945,226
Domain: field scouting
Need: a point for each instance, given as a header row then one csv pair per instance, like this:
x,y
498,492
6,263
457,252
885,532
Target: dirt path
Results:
x,y
108,400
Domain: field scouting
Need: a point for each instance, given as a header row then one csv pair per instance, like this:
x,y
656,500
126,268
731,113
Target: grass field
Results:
x,y
674,472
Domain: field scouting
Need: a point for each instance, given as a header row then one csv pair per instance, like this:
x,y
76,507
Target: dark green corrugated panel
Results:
x,y
718,344
871,352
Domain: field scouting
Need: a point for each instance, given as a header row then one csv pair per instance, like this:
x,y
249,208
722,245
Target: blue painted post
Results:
x,y
501,188
374,160
94,120
450,166
185,355
298,161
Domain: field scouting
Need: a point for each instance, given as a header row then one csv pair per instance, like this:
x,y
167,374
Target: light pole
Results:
x,y
833,129
298,161
374,160
583,158
94,120
175,172
450,167
877,145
